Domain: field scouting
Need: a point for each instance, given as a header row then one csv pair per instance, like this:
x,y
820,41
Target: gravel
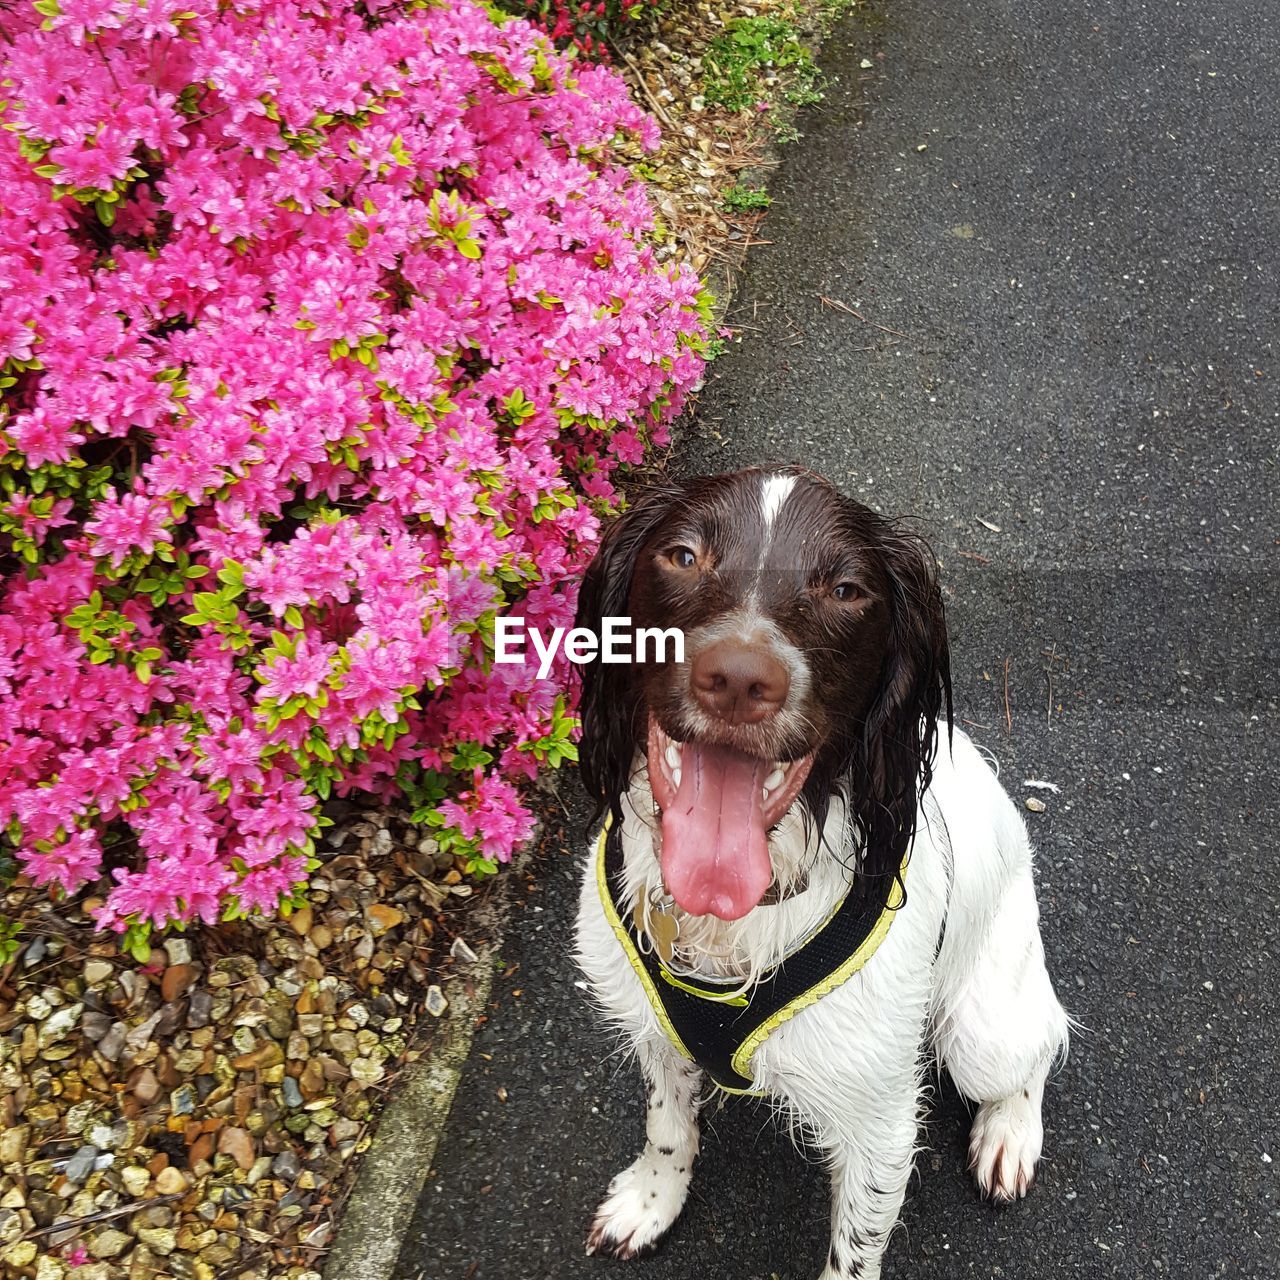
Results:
x,y
201,1115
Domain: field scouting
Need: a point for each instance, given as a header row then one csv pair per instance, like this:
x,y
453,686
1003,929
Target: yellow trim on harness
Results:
x,y
620,932
741,1059
737,1001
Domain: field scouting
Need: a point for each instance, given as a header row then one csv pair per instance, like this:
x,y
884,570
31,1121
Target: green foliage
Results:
x,y
9,931
743,199
555,747
749,50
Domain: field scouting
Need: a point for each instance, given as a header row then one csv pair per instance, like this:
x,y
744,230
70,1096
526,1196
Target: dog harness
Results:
x,y
707,1019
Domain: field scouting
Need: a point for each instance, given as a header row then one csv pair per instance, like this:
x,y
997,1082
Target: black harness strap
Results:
x,y
712,1028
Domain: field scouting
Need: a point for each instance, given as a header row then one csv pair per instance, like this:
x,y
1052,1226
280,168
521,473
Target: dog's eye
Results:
x,y
846,591
684,558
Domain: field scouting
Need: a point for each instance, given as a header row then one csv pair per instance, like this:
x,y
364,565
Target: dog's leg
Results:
x,y
1006,1140
998,1035
870,1161
646,1198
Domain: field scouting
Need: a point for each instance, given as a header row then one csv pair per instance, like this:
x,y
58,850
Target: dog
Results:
x,y
790,818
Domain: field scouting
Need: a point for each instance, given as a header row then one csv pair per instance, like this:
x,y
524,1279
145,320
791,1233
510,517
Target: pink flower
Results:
x,y
304,673
289,380
135,522
68,864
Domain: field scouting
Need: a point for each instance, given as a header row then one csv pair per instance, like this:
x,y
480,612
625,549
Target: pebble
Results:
x,y
146,1088
177,978
59,1024
95,1025
1035,804
311,1081
343,1129
109,1243
290,1091
21,1254
343,1042
97,971
267,1054
10,1226
170,1181
199,1008
382,918
111,1046
136,1180
80,1165
239,1145
13,1143
182,1100
436,1003
366,1071
161,1240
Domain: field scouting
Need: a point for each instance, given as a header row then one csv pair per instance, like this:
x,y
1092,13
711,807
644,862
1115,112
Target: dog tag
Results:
x,y
662,930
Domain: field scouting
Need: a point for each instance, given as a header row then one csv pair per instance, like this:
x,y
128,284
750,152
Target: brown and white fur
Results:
x,y
795,579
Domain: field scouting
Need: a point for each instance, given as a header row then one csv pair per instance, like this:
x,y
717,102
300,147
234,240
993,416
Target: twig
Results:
x,y
836,305
75,1224
1008,714
658,108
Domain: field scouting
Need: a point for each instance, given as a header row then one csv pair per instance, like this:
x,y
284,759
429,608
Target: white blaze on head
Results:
x,y
773,497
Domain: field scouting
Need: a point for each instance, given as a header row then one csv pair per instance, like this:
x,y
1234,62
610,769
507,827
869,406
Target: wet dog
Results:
x,y
791,822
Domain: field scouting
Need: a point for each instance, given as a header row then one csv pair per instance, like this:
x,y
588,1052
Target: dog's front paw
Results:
x,y
1005,1146
642,1203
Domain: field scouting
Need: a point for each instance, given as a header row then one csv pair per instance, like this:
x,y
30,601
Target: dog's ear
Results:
x,y
610,700
901,728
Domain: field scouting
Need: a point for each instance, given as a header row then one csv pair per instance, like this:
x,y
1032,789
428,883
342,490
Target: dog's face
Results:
x,y
815,661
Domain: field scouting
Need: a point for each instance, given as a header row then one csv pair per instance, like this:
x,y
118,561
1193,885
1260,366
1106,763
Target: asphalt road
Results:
x,y
1080,405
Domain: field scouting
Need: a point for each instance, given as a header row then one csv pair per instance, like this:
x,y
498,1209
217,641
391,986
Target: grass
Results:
x,y
751,49
742,199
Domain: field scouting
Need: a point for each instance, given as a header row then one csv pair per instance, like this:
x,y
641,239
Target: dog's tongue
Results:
x,y
715,853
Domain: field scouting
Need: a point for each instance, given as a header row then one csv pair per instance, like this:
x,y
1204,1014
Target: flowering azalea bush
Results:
x,y
326,325
586,24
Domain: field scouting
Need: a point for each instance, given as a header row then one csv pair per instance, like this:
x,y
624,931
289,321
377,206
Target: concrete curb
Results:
x,y
379,1211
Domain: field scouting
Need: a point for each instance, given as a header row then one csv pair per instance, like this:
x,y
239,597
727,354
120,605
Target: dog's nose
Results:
x,y
739,683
